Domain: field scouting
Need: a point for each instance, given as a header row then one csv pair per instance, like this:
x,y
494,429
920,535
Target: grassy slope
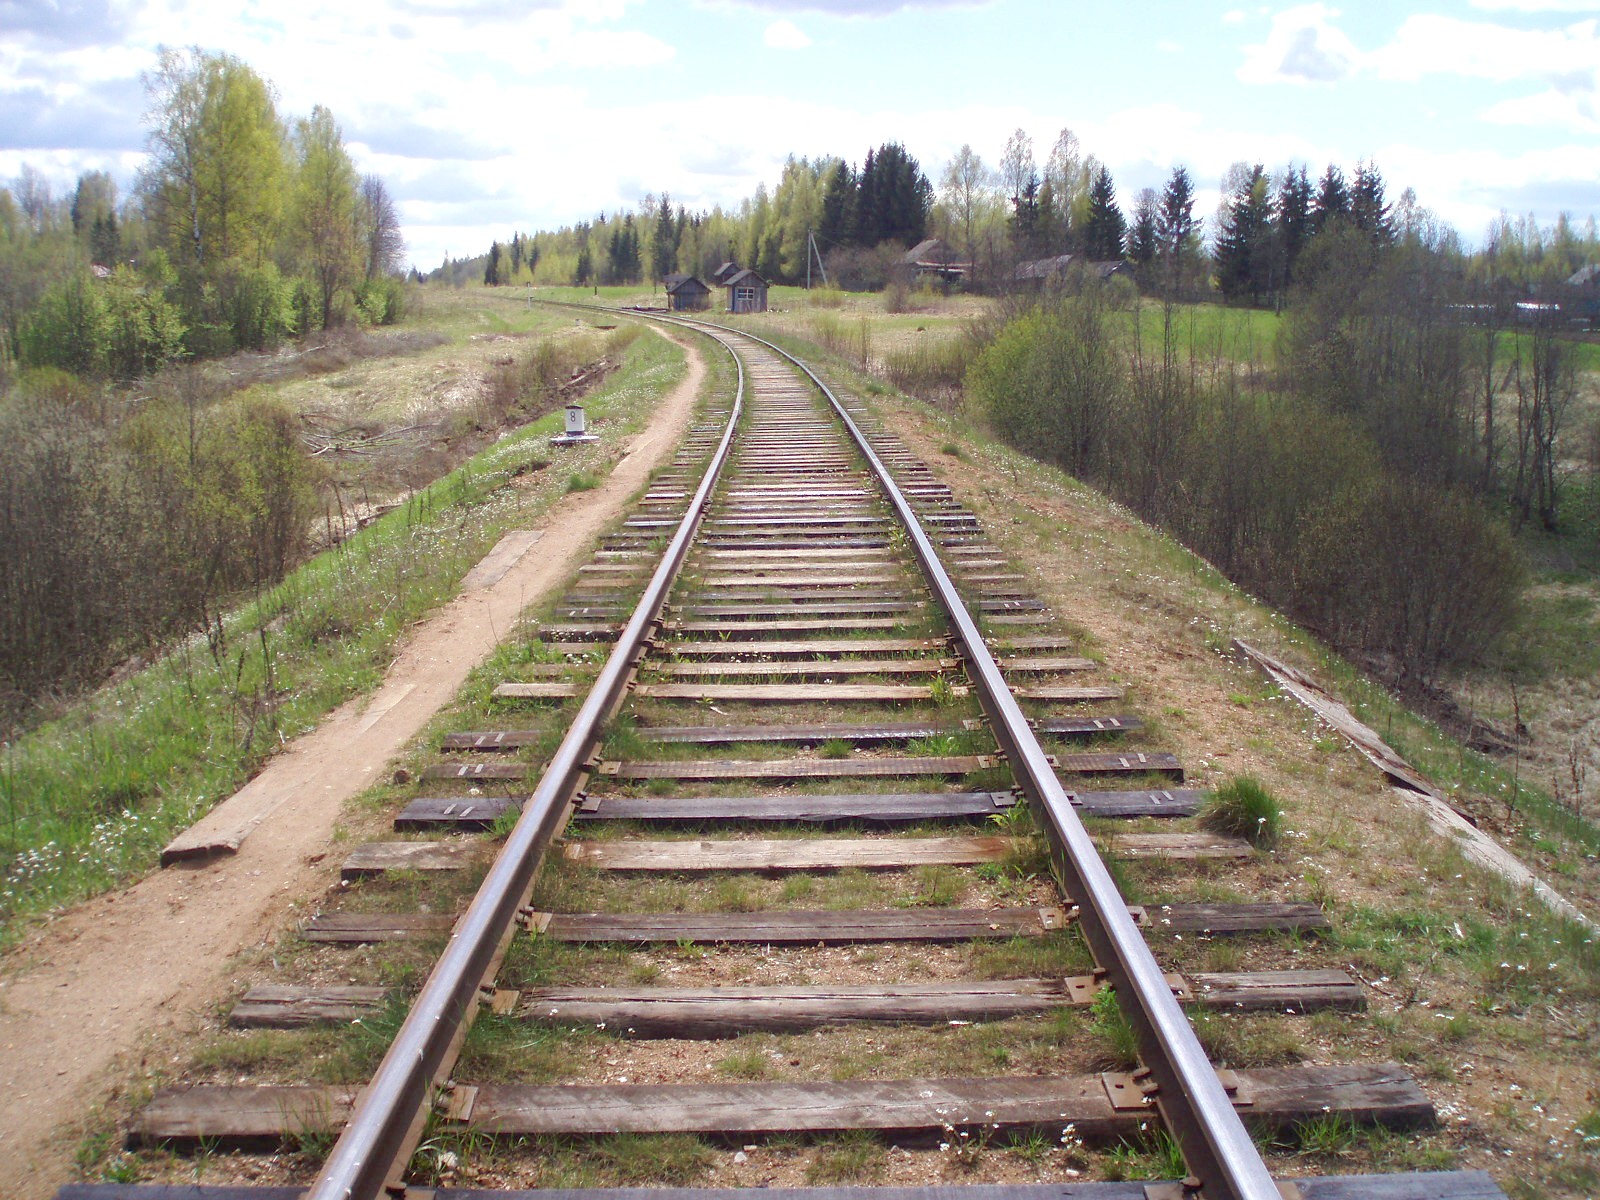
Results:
x,y
1466,971
87,801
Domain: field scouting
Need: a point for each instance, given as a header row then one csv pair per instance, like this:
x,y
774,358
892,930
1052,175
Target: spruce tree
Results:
x,y
1106,227
1293,223
1175,223
1333,199
491,269
839,206
1142,237
1368,208
1244,245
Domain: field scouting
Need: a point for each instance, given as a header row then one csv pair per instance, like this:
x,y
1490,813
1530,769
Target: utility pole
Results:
x,y
813,251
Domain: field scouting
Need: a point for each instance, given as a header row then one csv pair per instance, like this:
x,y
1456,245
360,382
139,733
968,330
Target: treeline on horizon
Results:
x,y
137,489
993,218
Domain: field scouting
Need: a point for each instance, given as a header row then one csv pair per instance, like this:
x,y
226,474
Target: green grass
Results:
x,y
1243,808
852,1157
1212,331
88,800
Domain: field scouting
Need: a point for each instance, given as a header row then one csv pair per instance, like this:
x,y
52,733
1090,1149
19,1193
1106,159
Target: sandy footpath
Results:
x,y
121,979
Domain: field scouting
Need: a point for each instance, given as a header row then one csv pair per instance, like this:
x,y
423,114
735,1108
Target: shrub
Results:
x,y
1418,575
69,328
381,301
145,332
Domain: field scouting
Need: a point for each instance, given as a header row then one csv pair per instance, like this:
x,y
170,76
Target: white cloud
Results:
x,y
1427,44
784,34
1535,6
1578,111
1234,16
1303,46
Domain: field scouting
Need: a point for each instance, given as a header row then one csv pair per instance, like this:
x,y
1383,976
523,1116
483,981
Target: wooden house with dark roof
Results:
x,y
687,293
1582,299
747,292
932,257
725,272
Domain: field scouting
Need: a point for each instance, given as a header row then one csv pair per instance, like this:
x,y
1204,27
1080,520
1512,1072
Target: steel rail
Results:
x,y
1191,1099
381,1133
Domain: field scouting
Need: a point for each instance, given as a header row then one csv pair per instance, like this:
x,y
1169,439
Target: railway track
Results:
x,y
813,766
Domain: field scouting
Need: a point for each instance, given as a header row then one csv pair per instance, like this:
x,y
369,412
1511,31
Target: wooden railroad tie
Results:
x,y
837,854
491,741
723,1012
872,807
828,927
1100,1107
883,766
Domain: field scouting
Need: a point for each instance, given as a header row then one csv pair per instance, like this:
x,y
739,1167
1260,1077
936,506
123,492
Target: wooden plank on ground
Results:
x,y
818,576
791,927
1285,991
240,1116
1046,665
493,740
803,646
454,812
791,693
577,632
1420,1185
377,858
1045,691
792,670
787,854
871,808
1134,761
538,691
1273,1097
1178,802
469,771
1179,846
878,731
361,928
746,628
803,768
800,608
1206,918
1039,641
1086,726
733,1010
284,1006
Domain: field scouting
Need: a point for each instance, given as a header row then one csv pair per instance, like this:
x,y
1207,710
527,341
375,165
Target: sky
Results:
x,y
486,117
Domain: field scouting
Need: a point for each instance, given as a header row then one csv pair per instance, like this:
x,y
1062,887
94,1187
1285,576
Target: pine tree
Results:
x,y
1106,227
491,268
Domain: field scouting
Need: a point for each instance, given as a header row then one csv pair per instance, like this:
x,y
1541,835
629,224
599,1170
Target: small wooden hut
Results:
x,y
687,293
747,292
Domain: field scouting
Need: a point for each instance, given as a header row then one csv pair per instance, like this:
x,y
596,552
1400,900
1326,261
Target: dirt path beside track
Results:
x,y
119,982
